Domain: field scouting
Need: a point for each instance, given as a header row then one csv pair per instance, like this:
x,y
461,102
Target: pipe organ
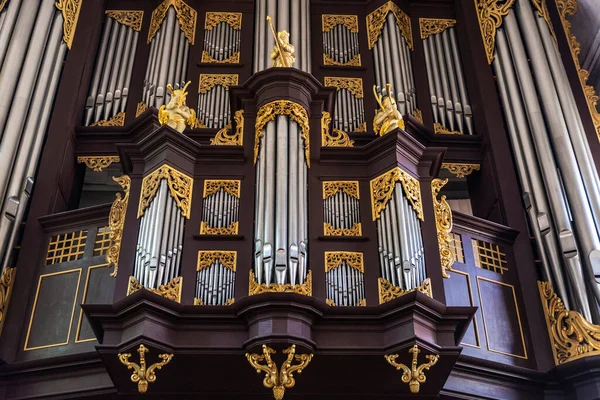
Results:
x,y
221,207
344,271
349,110
109,90
341,210
449,100
340,40
222,38
216,278
213,99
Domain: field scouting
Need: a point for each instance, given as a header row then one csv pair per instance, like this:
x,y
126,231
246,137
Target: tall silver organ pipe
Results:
x,y
341,208
290,15
447,87
558,177
220,207
344,278
33,33
340,40
281,211
213,99
215,282
222,37
109,89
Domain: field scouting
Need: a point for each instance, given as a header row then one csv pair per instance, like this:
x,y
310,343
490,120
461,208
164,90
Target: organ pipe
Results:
x,y
340,40
221,206
213,99
215,277
222,37
349,109
344,278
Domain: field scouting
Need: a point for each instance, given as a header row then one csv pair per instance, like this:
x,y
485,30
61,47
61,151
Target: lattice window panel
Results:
x,y
456,245
489,256
66,247
102,242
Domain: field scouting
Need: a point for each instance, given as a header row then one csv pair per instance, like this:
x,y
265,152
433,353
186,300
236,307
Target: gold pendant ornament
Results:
x,y
142,375
414,375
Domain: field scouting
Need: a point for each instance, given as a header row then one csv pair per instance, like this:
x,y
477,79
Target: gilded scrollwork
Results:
x,y
442,130
433,26
295,111
141,107
232,229
330,188
70,10
376,21
180,186
224,137
208,81
389,292
382,189
330,21
329,230
490,14
213,186
213,19
6,284
443,224
207,58
116,223
334,259
186,16
130,18
98,163
354,62
2,4
418,114
337,138
117,120
170,291
415,375
207,257
460,170
571,335
304,289
142,375
541,7
353,85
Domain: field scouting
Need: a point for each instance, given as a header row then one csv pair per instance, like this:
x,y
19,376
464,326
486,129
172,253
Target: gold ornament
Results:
x,y
207,58
376,21
180,186
176,113
132,19
116,223
418,114
389,292
213,19
213,186
117,120
186,16
461,170
353,85
2,4
443,225
295,111
208,81
433,26
362,127
224,136
232,229
382,189
170,291
330,188
304,289
98,163
207,257
334,259
6,284
141,107
330,302
490,14
339,137
354,62
276,379
142,375
442,130
329,230
387,117
414,375
70,10
330,21
542,9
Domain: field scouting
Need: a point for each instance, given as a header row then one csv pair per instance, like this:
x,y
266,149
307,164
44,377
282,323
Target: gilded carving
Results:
x,y
334,259
213,19
571,335
415,375
2,4
330,302
443,224
70,11
490,14
542,8
418,114
330,188
186,16
176,113
389,292
207,58
354,62
442,130
130,18
282,378
142,375
353,85
207,257
295,111
433,26
382,189
170,291
338,138
213,186
304,289
232,229
376,21
329,230
283,53
98,163
6,284
387,117
141,107
329,21
208,81
461,170
224,136
117,120
180,186
116,223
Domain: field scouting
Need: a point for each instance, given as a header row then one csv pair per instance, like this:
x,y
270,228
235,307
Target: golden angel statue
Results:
x,y
387,118
283,52
176,113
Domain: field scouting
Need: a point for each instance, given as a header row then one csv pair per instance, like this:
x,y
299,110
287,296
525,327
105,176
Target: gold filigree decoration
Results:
x,y
415,375
461,170
2,4
330,21
224,136
295,111
130,18
142,375
207,58
228,230
362,127
116,223
180,186
98,163
213,186
353,85
442,130
542,8
571,335
330,302
433,26
117,120
334,259
199,124
339,138
329,230
186,16
568,8
70,12
443,225
418,114
382,189
208,81
207,257
330,188
376,21
275,378
170,291
213,19
198,302
490,14
304,289
389,292
354,62
6,284
141,107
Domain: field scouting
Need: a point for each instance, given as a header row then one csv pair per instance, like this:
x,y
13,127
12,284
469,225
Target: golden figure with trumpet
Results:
x,y
176,113
283,52
387,118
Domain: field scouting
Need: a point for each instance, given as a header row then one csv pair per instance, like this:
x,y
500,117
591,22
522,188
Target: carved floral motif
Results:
x,y
180,186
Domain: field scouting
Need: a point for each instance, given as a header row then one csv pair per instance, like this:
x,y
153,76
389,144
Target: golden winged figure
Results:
x,y
387,118
176,113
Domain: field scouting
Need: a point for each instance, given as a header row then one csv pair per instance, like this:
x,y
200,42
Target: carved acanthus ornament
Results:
x,y
353,85
330,21
295,111
206,258
571,335
376,21
116,223
330,188
329,230
213,19
433,26
337,139
330,302
207,58
334,259
6,284
70,11
224,136
170,291
542,9
186,16
117,120
389,292
362,127
382,189
490,14
208,81
180,186
415,375
2,4
232,229
567,8
443,224
130,18
275,378
213,186
141,107
461,170
142,375
98,163
418,114
442,130
354,62
304,289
